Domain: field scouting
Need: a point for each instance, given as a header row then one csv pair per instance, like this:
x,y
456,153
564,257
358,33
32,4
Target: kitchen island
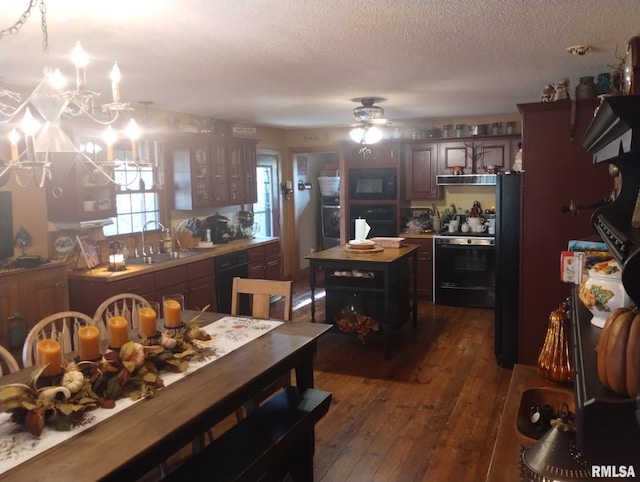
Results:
x,y
378,282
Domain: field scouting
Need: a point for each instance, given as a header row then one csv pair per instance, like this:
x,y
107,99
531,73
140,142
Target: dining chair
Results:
x,y
124,305
62,327
262,293
8,361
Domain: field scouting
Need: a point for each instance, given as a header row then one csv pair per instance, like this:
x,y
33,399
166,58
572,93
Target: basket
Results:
x,y
329,186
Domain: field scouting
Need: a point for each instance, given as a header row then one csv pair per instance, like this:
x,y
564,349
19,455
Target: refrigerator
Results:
x,y
507,273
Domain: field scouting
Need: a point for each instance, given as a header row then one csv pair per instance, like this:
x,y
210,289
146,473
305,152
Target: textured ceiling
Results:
x,y
299,63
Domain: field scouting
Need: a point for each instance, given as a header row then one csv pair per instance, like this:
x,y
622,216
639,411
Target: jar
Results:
x,y
556,357
586,89
460,130
496,127
511,128
604,83
603,292
447,130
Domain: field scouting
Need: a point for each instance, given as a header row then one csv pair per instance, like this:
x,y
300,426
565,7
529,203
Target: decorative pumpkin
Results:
x,y
618,357
73,380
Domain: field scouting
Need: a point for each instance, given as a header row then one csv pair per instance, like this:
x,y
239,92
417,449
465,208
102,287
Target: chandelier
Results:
x,y
38,141
367,115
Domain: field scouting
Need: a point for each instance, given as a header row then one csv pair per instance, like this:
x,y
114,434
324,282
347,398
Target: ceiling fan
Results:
x,y
369,116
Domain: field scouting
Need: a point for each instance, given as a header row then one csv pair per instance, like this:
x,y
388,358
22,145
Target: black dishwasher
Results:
x,y
227,267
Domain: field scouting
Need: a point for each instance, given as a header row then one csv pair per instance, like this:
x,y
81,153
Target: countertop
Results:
x,y
102,273
416,235
505,461
338,253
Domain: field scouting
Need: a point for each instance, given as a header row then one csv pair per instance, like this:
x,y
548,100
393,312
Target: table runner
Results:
x,y
227,334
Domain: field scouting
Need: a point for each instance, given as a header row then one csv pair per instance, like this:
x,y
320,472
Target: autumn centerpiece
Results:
x,y
133,371
353,319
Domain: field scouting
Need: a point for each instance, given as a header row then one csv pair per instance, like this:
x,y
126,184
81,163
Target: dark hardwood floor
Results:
x,y
429,413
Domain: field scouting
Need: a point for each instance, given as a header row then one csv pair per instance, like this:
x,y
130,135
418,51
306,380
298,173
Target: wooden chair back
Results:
x,y
124,305
8,361
62,327
261,291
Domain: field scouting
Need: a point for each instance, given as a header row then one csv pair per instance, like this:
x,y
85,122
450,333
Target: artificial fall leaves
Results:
x,y
133,372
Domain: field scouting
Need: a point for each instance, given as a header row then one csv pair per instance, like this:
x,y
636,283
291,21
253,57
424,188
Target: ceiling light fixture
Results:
x,y
43,138
367,115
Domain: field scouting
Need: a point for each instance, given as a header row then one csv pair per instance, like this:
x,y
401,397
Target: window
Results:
x,y
137,198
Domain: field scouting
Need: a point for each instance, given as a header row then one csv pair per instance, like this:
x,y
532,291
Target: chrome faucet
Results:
x,y
144,228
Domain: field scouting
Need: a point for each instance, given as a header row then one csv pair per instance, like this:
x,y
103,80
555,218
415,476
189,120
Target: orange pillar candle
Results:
x,y
49,353
147,318
118,332
172,313
88,343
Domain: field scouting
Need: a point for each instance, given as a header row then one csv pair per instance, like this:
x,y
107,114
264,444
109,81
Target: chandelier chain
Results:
x,y
45,33
21,20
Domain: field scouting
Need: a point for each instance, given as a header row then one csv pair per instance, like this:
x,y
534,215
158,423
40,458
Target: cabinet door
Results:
x,y
273,268
421,168
454,154
220,170
496,152
13,321
200,293
236,173
45,292
381,154
425,269
78,194
250,180
192,177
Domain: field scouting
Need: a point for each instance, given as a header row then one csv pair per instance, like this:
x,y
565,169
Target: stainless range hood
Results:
x,y
466,179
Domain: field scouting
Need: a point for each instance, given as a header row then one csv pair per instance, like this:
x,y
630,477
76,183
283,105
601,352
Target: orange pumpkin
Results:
x,y
618,357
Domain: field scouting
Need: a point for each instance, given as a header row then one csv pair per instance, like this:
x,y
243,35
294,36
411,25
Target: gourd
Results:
x,y
73,380
618,352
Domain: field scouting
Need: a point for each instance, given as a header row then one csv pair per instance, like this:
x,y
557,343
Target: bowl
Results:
x,y
527,431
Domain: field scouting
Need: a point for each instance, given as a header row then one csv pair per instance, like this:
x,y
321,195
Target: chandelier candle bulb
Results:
x,y
118,332
80,60
115,82
14,137
49,354
88,343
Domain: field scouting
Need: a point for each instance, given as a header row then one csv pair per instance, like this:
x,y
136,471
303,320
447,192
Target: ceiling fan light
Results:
x,y
356,134
368,113
373,135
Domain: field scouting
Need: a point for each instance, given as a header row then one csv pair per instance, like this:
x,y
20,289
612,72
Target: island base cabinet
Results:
x,y
365,294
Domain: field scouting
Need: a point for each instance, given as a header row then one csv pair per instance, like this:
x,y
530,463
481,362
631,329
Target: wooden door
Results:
x,y
557,170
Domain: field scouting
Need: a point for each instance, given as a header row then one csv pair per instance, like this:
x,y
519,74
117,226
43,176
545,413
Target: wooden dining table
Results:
x,y
130,443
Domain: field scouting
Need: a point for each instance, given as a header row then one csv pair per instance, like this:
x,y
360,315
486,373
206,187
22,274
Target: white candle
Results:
x,y
13,139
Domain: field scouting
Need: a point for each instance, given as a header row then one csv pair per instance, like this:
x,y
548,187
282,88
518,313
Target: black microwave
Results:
x,y
377,183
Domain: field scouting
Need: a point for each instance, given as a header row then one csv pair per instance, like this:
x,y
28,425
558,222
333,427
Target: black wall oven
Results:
x,y
464,270
373,184
381,218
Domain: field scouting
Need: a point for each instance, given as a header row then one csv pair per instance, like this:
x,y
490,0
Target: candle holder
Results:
x,y
148,314
172,310
116,256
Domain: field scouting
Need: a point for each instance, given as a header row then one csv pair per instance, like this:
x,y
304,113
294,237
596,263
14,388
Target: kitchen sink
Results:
x,y
161,258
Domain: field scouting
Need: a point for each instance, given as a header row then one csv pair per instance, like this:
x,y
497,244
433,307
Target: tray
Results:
x,y
375,249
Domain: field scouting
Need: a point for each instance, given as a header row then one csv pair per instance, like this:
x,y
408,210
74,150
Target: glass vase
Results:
x,y
556,358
